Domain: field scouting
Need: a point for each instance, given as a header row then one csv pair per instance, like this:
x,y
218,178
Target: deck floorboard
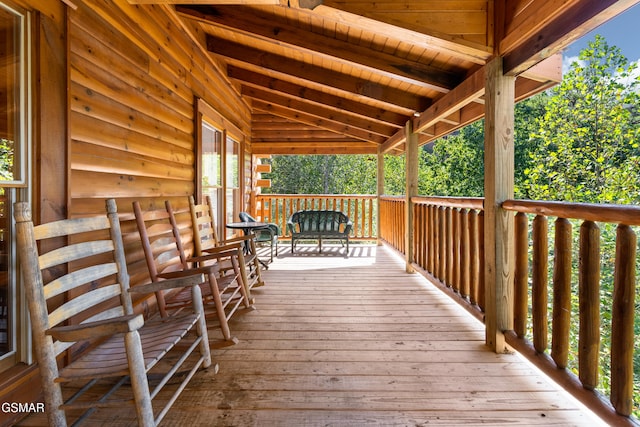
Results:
x,y
356,341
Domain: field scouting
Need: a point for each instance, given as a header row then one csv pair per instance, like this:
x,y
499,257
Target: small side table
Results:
x,y
248,227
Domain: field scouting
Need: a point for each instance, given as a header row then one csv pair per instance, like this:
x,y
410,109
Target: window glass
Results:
x,y
14,115
232,182
211,159
12,95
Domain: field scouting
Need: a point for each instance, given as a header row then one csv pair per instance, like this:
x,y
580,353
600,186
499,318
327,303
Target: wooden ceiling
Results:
x,y
345,76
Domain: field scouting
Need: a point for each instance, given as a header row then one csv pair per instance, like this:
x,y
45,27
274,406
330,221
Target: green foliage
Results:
x,y
586,144
6,159
323,174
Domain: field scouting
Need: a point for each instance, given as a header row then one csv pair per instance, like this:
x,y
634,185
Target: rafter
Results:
x,y
252,22
317,121
254,79
363,17
397,99
317,111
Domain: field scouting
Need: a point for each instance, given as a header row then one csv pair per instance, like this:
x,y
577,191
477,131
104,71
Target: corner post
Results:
x,y
499,186
411,190
380,192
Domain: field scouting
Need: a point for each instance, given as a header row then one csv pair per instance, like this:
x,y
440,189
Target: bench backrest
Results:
x,y
312,221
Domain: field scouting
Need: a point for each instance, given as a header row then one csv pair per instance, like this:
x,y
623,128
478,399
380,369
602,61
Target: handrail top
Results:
x,y
335,196
622,214
449,201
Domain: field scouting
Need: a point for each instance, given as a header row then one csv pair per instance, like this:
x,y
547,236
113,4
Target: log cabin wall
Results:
x,y
134,77
114,93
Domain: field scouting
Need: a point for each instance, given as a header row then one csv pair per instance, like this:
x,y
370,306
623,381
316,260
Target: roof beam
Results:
x,y
469,90
251,22
356,16
254,79
323,123
304,147
400,100
317,111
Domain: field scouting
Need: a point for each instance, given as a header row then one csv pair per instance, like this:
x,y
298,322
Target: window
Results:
x,y
232,182
14,141
211,162
218,170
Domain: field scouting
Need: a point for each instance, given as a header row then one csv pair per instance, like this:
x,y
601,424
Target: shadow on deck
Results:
x,y
356,341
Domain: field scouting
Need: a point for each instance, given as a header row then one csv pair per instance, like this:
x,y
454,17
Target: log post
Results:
x,y
380,193
499,185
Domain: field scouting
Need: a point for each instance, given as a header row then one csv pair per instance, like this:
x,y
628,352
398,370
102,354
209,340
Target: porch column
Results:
x,y
411,190
498,186
380,190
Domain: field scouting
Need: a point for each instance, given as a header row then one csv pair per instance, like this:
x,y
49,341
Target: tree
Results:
x,y
586,144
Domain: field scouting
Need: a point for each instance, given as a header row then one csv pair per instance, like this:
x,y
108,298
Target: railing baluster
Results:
x,y
480,261
589,295
521,278
465,260
448,249
431,251
441,243
539,283
561,322
622,332
474,250
455,250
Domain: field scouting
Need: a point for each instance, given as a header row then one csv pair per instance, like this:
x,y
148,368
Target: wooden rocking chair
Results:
x,y
205,241
80,294
224,291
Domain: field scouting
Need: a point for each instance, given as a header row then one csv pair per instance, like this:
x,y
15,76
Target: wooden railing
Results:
x,y
361,210
392,221
553,285
449,244
447,241
448,235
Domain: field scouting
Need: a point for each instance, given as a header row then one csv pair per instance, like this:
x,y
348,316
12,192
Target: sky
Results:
x,y
620,31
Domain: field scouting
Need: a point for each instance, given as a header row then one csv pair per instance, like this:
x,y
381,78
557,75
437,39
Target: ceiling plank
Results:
x,y
251,78
363,17
319,122
318,111
251,22
394,98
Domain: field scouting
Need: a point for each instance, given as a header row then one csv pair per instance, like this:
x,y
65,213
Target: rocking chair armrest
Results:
x,y
218,252
176,279
99,328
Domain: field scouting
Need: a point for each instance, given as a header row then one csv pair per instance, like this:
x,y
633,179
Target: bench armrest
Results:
x,y
99,328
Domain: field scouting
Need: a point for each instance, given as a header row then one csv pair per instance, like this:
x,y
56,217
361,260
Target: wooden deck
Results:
x,y
356,341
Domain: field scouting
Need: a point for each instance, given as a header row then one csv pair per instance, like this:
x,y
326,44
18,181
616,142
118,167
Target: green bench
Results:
x,y
318,225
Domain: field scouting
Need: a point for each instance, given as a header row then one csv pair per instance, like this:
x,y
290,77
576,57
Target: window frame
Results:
x,y
207,114
20,349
